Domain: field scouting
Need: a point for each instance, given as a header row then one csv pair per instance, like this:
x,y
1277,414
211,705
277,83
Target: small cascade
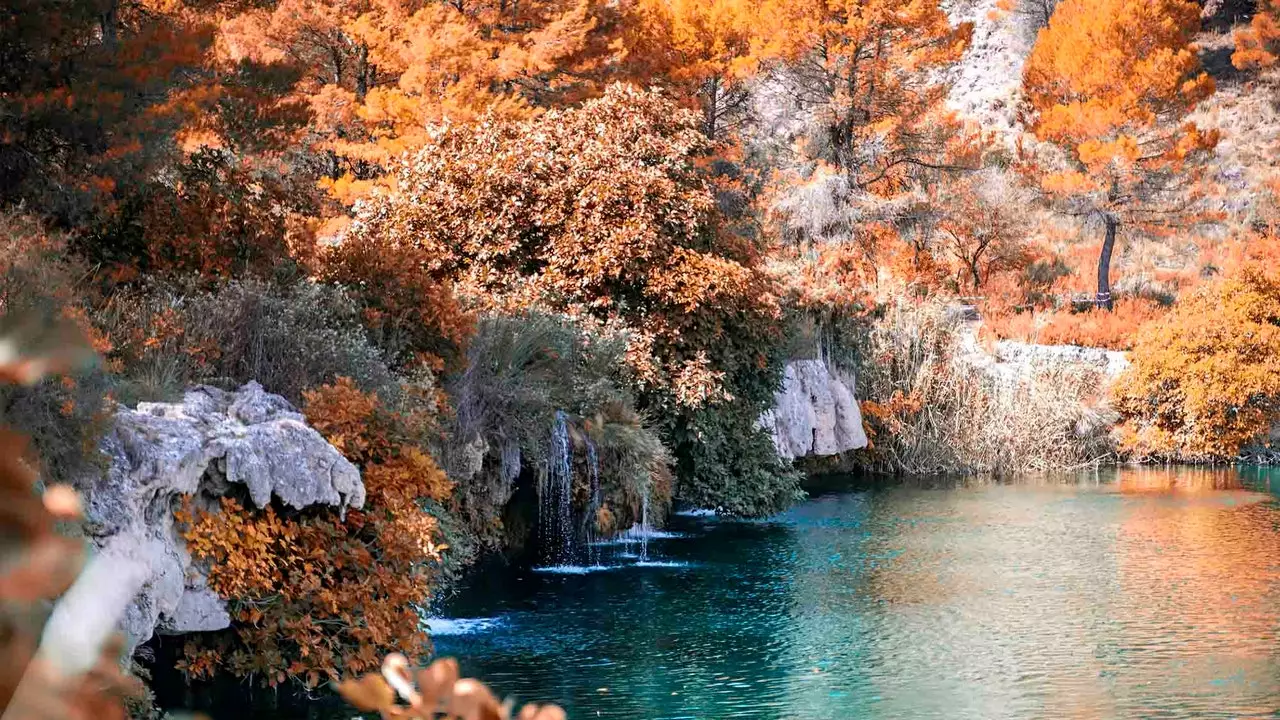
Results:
x,y
645,528
593,506
555,514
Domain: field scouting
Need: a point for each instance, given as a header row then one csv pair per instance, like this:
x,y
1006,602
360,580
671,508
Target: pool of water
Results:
x,y
1126,594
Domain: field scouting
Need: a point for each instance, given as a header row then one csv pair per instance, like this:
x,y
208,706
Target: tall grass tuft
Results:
x,y
935,405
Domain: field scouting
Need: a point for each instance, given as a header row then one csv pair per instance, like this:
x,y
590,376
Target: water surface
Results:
x,y
1130,594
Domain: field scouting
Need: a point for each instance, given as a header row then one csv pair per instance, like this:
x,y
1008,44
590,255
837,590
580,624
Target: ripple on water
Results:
x,y
1116,600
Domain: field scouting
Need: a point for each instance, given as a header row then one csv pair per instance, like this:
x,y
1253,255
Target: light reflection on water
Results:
x,y
1137,593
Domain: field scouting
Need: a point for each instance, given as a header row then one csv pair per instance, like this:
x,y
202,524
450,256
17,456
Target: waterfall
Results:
x,y
645,529
593,505
556,496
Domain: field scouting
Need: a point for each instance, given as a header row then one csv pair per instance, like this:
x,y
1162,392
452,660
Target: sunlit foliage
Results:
x,y
1110,83
1205,380
598,210
1258,45
319,596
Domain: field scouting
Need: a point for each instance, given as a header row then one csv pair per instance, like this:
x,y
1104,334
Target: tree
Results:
x,y
1109,82
1205,379
599,210
378,73
1259,44
702,48
983,225
865,70
90,98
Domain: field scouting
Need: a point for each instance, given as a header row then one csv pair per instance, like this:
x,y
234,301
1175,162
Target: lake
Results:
x,y
1128,593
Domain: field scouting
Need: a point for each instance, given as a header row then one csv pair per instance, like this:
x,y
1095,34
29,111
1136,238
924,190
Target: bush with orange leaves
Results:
x,y
317,595
1205,380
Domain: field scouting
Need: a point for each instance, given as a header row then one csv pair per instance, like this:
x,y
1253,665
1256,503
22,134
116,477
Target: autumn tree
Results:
x,y
87,93
702,48
1109,82
1258,45
598,210
378,73
605,212
865,71
983,224
1205,380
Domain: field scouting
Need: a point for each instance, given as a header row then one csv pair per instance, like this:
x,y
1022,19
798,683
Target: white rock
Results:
x,y
200,447
815,413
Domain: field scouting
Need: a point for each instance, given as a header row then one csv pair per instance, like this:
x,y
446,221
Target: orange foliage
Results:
x,y
866,69
1110,82
1205,380
320,596
407,294
1115,330
378,73
436,692
701,47
598,210
1259,44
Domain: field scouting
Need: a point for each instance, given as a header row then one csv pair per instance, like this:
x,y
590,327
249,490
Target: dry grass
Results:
x,y
935,408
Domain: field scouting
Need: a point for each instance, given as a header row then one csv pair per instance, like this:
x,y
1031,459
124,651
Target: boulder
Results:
x,y
201,448
815,413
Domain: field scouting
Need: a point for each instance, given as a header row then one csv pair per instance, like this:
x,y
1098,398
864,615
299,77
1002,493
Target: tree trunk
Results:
x,y
362,73
109,21
1104,262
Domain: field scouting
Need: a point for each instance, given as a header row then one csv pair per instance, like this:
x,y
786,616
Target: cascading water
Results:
x,y
645,529
593,506
555,513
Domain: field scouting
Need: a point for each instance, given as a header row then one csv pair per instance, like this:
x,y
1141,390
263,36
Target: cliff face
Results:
x,y
815,413
201,447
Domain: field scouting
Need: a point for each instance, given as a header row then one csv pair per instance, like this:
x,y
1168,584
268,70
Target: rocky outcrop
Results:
x,y
815,413
202,447
1029,356
1011,361
986,84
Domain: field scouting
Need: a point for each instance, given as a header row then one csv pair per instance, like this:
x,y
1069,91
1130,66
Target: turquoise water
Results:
x,y
1129,594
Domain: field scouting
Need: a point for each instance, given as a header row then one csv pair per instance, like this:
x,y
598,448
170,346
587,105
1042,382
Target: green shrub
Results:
x,y
289,337
521,371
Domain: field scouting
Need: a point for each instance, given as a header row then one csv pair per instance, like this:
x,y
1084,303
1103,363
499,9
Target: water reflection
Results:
x,y
1132,593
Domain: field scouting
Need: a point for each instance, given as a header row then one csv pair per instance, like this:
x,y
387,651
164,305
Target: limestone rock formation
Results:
x,y
200,447
986,84
815,413
1026,355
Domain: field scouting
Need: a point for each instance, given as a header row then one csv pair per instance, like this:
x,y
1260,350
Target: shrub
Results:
x,y
523,369
1114,329
316,595
600,210
288,337
1205,379
727,462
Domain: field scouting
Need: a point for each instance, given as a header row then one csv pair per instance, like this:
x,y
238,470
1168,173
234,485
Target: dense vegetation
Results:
x,y
438,227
